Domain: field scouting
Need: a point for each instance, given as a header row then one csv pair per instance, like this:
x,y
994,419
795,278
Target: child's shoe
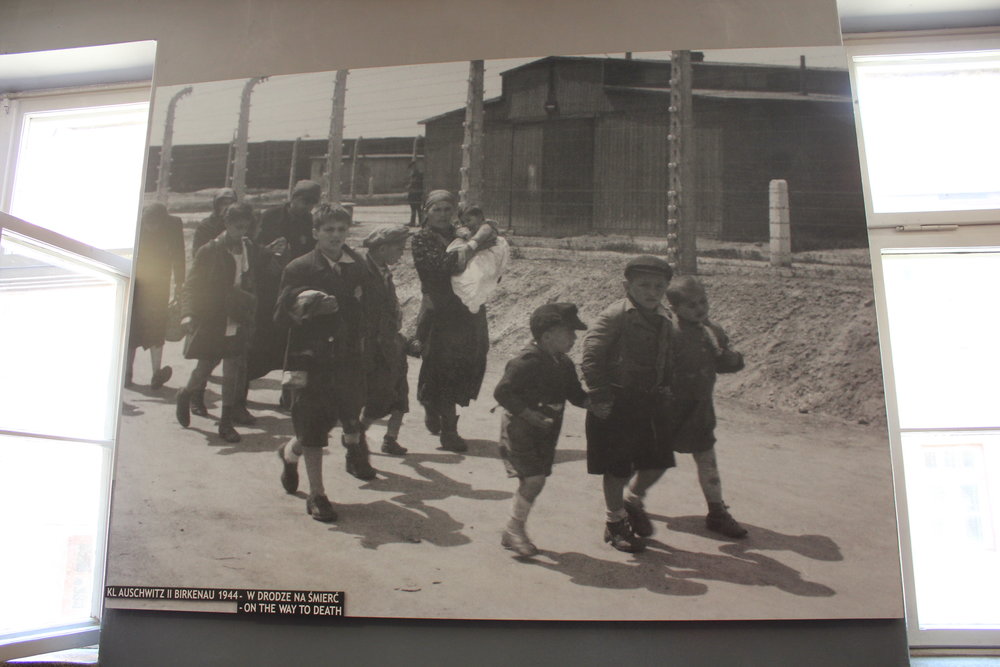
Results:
x,y
226,430
518,542
242,416
432,421
289,473
160,377
356,460
639,520
719,520
392,447
320,508
451,441
619,535
198,403
182,408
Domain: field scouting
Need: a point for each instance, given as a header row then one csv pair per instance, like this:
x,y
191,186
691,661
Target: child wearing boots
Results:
x,y
623,360
533,393
321,301
699,351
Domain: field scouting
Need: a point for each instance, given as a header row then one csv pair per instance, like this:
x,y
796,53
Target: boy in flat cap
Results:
x,y
533,392
385,348
623,365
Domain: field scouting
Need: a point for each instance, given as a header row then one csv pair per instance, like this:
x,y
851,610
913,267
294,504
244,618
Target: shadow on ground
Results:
x,y
670,571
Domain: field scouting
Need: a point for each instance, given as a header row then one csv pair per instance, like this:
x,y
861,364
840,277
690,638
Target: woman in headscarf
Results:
x,y
160,255
454,340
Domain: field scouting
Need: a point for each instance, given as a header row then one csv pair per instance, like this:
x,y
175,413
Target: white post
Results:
x,y
781,229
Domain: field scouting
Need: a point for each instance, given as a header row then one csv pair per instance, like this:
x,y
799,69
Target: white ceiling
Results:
x,y
112,63
891,15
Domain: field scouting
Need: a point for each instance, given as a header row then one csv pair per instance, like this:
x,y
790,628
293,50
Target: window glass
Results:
x,y
952,480
942,329
79,171
59,370
53,499
930,133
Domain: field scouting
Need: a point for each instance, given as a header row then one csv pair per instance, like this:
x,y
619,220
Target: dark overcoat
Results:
x,y
210,297
329,347
385,346
268,346
160,254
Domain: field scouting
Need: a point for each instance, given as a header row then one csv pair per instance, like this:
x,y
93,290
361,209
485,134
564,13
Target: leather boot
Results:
x,y
183,408
198,403
432,420
226,429
242,416
450,439
357,460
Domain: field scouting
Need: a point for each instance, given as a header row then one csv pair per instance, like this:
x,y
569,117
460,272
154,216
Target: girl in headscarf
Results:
x,y
454,341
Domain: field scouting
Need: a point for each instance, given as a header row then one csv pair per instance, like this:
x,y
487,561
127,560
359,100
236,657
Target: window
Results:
x,y
929,141
73,182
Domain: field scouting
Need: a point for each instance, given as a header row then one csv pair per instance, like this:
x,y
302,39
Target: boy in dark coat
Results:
x,y
218,313
700,350
623,359
321,301
533,392
385,349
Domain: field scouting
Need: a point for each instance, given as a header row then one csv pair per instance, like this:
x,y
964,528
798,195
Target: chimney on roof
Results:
x,y
803,89
628,55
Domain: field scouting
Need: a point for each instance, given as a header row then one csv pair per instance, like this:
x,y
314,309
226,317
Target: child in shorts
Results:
x,y
321,301
533,393
699,351
623,359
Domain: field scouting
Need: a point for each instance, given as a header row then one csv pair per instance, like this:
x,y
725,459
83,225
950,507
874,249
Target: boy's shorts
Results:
x,y
527,451
628,440
316,410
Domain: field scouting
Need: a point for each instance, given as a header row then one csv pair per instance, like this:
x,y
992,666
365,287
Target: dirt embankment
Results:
x,y
808,334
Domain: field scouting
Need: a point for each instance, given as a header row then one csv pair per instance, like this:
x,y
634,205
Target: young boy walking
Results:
x,y
623,361
533,392
700,350
321,301
385,347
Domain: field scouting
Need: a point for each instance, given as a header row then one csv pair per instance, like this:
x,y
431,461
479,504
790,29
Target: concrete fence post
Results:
x,y
781,232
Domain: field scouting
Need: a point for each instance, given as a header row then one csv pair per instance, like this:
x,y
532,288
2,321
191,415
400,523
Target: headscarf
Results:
x,y
434,196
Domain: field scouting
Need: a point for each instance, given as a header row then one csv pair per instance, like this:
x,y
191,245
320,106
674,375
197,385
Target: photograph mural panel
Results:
x,y
295,289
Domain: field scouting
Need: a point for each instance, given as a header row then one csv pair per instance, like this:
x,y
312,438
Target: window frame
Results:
x,y
943,231
13,109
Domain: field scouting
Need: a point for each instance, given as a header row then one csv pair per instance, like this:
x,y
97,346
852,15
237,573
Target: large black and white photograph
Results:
x,y
551,338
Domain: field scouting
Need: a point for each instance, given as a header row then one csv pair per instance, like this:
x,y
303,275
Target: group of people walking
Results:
x,y
289,293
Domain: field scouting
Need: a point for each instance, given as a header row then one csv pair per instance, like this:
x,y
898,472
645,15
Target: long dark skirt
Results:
x,y
454,357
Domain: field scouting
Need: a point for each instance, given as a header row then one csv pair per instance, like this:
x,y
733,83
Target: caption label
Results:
x,y
249,602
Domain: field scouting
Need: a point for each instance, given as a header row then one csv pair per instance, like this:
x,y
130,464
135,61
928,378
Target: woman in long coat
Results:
x,y
454,351
160,254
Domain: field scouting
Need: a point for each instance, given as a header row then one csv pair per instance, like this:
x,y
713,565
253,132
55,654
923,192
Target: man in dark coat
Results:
x,y
321,302
286,233
385,349
218,313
